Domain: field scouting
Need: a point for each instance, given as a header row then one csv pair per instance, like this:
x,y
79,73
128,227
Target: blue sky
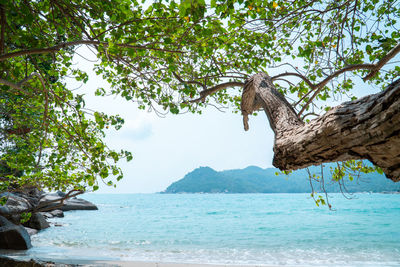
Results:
x,y
165,149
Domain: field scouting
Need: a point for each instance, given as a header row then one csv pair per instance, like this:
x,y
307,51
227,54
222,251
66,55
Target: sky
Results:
x,y
165,149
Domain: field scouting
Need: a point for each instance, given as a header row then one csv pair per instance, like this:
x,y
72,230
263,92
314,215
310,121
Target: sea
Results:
x,y
234,229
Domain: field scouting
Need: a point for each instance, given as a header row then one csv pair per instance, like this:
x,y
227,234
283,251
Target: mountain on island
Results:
x,y
257,180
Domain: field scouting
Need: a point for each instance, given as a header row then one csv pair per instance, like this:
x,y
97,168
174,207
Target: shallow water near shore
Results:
x,y
246,229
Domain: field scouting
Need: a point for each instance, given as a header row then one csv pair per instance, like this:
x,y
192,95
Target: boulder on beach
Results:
x,y
78,204
53,213
15,204
37,221
57,213
47,202
13,236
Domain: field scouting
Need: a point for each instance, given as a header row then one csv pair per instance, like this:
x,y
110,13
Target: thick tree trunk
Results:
x,y
367,128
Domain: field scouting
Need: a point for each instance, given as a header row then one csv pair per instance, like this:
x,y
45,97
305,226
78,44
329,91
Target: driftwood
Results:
x,y
367,128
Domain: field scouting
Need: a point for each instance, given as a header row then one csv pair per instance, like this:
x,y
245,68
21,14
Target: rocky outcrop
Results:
x,y
78,204
10,262
15,204
13,236
37,221
48,202
5,261
42,206
53,214
57,213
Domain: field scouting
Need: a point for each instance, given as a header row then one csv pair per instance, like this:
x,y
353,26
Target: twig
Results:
x,y
189,82
392,53
297,75
3,26
320,86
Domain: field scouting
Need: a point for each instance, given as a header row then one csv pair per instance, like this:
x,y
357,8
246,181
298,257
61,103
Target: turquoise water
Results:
x,y
263,229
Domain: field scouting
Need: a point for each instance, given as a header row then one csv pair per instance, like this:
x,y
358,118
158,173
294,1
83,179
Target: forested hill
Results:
x,y
256,180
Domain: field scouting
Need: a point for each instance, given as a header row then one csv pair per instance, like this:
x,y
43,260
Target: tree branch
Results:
x,y
318,87
188,82
129,22
3,26
58,47
207,92
12,85
18,86
297,75
392,53
46,207
51,49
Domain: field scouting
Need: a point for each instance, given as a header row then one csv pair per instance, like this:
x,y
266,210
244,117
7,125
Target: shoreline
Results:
x,y
107,263
100,263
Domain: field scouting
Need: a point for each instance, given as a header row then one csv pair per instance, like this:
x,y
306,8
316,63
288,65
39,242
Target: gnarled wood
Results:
x,y
367,128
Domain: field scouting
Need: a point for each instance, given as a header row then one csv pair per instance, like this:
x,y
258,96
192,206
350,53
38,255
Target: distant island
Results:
x,y
257,180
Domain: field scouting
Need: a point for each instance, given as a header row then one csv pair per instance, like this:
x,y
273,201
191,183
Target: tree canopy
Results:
x,y
173,57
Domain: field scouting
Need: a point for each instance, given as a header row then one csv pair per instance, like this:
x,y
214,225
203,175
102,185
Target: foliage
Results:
x,y
177,56
48,139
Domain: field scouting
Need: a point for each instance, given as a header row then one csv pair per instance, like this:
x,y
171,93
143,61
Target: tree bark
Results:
x,y
367,128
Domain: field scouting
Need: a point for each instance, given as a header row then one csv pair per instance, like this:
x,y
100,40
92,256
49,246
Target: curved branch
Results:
x,y
46,207
366,128
188,82
12,85
321,85
304,78
18,86
58,47
392,53
212,90
3,25
51,49
129,22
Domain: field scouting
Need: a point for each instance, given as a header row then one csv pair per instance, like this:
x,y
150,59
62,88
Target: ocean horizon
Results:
x,y
246,229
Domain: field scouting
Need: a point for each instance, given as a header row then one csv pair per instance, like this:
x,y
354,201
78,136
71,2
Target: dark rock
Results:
x,y
57,213
78,204
31,231
53,213
13,236
10,262
15,204
37,221
5,261
47,215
